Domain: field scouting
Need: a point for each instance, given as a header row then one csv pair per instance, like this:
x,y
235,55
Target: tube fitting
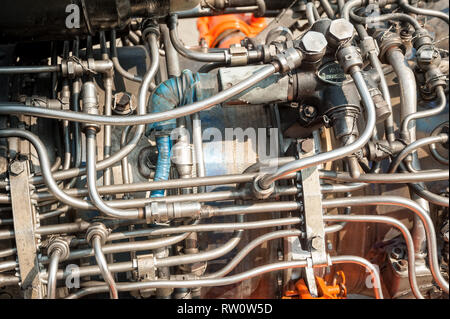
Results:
x,y
260,192
61,244
288,60
158,212
97,229
90,104
349,57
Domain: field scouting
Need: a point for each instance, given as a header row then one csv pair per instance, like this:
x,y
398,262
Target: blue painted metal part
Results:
x,y
164,145
186,89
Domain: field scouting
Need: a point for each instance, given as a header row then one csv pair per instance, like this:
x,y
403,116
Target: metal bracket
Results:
x,y
146,267
314,225
24,229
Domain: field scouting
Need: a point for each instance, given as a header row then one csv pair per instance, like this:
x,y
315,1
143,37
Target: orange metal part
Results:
x,y
215,29
330,287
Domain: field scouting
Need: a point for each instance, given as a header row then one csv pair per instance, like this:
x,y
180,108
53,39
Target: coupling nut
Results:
x,y
90,104
259,192
349,57
97,229
61,244
288,60
158,212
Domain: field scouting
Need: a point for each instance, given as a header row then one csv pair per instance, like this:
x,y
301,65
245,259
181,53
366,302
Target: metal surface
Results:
x,y
24,229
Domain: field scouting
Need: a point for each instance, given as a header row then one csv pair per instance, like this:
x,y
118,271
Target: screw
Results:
x,y
316,242
16,168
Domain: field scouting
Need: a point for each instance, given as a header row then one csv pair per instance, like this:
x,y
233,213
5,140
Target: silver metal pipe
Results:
x,y
393,222
198,147
249,247
29,69
421,11
442,102
441,138
257,271
261,74
91,149
399,178
103,265
52,271
414,207
189,54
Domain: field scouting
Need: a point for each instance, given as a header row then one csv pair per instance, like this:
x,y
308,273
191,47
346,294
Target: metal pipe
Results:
x,y
249,247
442,102
261,74
91,148
257,271
52,270
29,69
116,62
402,228
310,13
421,11
441,138
103,265
189,54
400,178
348,6
198,147
418,211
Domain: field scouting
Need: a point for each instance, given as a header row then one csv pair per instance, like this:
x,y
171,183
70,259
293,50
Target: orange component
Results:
x,y
330,287
225,30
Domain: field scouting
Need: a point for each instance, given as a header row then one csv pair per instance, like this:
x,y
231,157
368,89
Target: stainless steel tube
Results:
x,y
189,54
52,271
257,271
421,11
442,102
91,149
103,265
413,207
441,138
393,222
261,74
29,69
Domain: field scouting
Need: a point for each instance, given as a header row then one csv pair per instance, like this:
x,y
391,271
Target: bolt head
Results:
x,y
307,145
16,167
340,31
313,42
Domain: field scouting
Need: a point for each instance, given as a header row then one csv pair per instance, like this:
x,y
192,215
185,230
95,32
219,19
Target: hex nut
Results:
x,y
314,42
259,192
16,167
340,31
